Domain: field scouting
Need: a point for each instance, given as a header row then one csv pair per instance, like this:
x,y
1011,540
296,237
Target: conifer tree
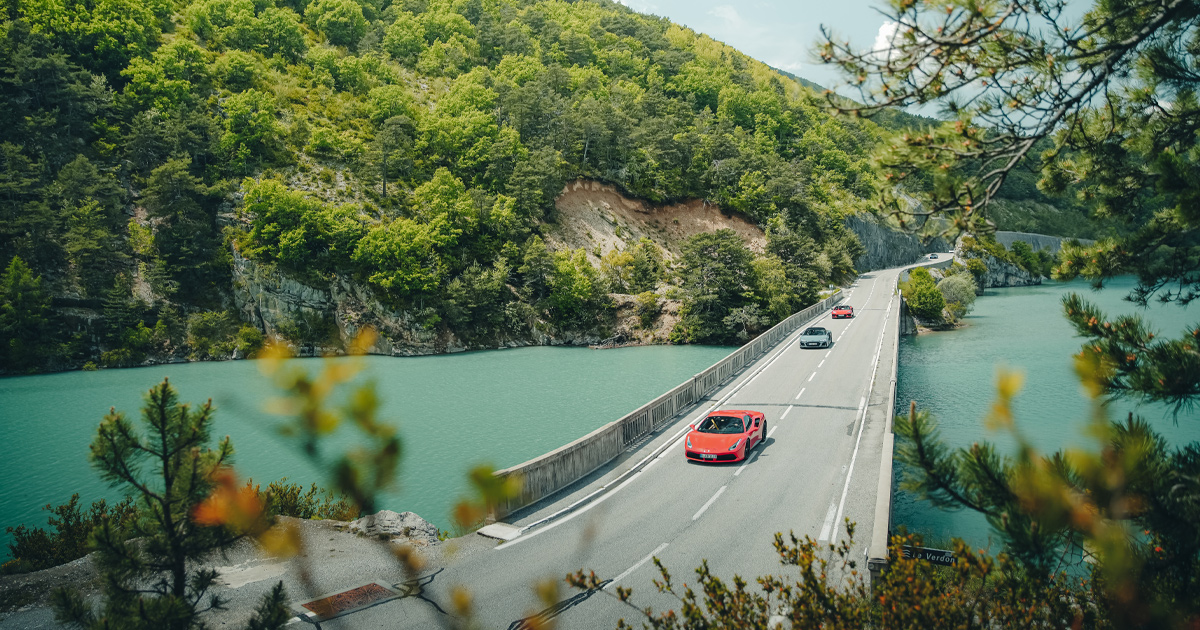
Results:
x,y
150,574
24,316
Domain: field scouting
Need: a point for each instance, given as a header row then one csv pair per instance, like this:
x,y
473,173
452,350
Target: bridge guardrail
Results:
x,y
877,553
544,475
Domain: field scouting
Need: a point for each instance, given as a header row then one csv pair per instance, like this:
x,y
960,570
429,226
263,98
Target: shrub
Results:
x,y
959,294
290,499
921,292
37,549
211,334
648,308
978,270
249,341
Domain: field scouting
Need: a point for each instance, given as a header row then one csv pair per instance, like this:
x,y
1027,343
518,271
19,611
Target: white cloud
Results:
x,y
728,14
791,66
885,39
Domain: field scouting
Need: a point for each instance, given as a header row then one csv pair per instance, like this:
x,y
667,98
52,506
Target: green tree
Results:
x,y
404,39
151,578
90,246
715,274
341,21
280,33
252,135
921,293
389,155
978,270
186,234
24,318
1090,89
647,266
578,295
958,291
212,334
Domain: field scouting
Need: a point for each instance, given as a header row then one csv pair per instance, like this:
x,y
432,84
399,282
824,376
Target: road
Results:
x,y
819,465
826,411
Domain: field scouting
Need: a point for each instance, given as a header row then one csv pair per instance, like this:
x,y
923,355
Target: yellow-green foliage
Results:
x,y
395,146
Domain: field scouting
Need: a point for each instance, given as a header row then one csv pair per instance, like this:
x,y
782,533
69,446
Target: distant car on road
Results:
x,y
933,257
843,310
726,436
816,337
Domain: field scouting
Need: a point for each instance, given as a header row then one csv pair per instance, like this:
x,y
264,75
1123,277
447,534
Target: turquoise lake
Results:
x,y
455,411
953,375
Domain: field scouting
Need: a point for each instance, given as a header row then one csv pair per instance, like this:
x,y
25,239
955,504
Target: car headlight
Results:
x,y
735,445
689,441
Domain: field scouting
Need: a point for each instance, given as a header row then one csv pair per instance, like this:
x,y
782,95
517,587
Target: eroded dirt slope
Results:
x,y
598,218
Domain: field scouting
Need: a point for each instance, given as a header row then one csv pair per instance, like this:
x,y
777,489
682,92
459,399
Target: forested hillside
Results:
x,y
411,148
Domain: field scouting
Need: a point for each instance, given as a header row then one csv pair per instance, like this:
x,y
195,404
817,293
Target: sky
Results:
x,y
780,33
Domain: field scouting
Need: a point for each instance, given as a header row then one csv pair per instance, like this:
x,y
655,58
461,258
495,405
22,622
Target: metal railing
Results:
x,y
549,473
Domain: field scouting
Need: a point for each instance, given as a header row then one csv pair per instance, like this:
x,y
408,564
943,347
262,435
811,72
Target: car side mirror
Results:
x,y
692,427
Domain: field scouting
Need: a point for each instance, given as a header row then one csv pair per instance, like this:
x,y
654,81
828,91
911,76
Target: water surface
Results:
x,y
953,374
501,407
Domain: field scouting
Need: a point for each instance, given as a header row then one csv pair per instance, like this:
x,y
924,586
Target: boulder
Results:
x,y
406,525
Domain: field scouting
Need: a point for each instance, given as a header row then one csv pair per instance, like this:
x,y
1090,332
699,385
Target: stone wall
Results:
x,y
1036,241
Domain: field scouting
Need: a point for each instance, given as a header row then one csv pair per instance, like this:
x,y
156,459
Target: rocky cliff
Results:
x,y
278,304
888,247
1002,273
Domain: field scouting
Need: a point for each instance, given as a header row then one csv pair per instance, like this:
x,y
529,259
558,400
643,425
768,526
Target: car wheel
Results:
x,y
764,433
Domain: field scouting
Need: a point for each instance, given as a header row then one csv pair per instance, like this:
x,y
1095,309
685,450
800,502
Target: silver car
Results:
x,y
816,337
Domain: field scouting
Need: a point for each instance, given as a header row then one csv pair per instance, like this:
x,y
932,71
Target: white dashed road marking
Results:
x,y
710,502
635,567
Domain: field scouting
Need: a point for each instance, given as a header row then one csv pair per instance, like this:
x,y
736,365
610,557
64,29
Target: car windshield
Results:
x,y
815,331
721,424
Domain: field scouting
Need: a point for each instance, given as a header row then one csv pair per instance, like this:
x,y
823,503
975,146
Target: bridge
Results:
x,y
606,505
623,494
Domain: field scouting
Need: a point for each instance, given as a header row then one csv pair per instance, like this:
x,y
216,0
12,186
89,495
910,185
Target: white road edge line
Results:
x,y
821,364
710,502
670,443
797,397
785,413
772,431
810,378
828,523
863,412
633,568
831,351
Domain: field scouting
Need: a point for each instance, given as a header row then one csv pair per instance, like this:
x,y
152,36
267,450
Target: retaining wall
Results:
x,y
549,473
877,553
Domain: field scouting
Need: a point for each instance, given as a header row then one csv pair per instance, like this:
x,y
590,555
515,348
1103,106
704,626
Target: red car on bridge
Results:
x,y
843,310
725,436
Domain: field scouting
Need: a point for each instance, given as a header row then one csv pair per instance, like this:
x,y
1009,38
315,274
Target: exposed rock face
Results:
x,y
271,300
394,525
887,247
1002,273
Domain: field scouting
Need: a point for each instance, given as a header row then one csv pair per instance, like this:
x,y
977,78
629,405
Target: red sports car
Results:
x,y
843,310
725,436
